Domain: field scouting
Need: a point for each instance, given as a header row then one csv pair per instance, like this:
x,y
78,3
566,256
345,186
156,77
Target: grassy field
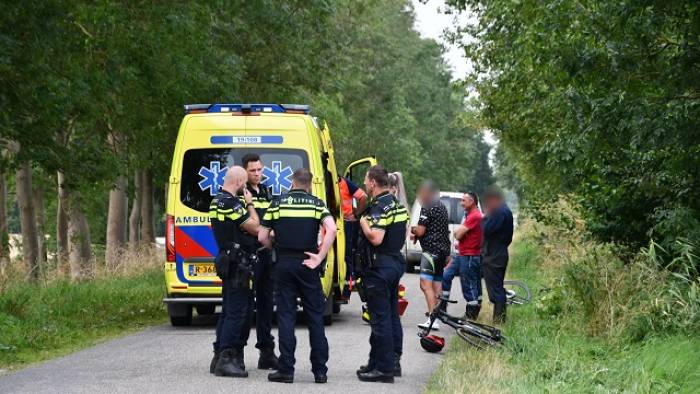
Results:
x,y
41,321
557,354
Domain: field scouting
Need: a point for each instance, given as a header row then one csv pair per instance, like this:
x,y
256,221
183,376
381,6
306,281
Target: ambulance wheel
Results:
x,y
328,313
180,315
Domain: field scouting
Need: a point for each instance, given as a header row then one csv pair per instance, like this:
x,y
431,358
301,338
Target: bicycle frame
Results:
x,y
483,331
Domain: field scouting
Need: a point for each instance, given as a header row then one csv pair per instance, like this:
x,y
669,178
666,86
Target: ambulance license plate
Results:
x,y
202,270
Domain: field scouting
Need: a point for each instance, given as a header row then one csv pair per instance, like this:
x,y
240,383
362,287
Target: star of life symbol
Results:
x,y
213,177
277,177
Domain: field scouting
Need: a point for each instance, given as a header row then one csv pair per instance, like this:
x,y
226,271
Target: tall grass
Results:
x,y
622,295
55,316
130,262
599,322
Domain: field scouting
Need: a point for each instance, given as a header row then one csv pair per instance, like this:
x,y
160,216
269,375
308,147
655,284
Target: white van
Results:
x,y
453,202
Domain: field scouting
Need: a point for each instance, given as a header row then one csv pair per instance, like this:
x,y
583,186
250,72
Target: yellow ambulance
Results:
x,y
213,137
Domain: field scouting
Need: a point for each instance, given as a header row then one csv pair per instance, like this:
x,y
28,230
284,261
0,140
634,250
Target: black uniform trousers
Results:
x,y
264,303
293,279
233,327
382,288
493,269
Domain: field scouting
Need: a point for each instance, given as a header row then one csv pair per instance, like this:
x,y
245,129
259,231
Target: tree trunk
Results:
x,y
30,248
135,217
147,231
38,197
116,222
62,224
79,243
4,237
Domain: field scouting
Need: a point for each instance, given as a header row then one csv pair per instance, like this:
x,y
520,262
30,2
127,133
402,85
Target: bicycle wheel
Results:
x,y
517,292
479,337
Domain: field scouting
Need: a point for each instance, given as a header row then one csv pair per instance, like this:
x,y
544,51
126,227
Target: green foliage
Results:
x,y
598,98
40,321
387,92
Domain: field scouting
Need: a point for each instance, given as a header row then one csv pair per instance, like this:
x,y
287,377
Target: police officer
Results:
x,y
295,219
229,219
262,285
385,228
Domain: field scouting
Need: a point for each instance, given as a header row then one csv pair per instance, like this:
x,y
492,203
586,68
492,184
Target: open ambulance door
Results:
x,y
356,171
338,268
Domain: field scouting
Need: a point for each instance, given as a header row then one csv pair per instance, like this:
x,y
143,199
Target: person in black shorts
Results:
x,y
434,235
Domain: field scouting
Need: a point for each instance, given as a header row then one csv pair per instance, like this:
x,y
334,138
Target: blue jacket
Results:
x,y
498,232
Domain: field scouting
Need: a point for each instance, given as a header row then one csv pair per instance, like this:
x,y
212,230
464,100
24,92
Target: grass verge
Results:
x,y
557,354
41,321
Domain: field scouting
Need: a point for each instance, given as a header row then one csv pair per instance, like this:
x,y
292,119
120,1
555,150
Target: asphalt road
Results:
x,y
167,359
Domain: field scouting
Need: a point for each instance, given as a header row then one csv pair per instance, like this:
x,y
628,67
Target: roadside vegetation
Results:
x,y
596,324
56,316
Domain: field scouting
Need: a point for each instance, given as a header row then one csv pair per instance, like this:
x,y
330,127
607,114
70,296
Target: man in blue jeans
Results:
x,y
468,261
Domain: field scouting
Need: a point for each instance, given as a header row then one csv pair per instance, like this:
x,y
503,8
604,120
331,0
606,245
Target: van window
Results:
x,y
203,171
455,212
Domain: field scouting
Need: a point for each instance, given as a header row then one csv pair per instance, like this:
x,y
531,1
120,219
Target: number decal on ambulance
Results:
x,y
246,139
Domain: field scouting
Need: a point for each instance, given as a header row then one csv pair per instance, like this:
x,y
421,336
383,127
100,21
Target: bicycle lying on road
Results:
x,y
517,292
479,335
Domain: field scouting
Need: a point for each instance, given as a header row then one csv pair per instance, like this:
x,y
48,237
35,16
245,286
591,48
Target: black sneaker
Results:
x,y
397,367
280,377
376,376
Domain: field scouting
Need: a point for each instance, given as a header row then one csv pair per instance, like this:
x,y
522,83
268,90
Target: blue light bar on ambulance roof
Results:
x,y
247,108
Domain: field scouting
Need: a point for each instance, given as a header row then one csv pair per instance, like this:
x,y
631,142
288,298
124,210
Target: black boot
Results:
x,y
239,358
397,365
268,360
376,376
228,366
366,368
214,360
472,312
499,313
280,377
370,366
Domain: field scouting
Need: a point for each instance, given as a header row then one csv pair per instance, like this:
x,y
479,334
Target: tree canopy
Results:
x,y
598,99
94,90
